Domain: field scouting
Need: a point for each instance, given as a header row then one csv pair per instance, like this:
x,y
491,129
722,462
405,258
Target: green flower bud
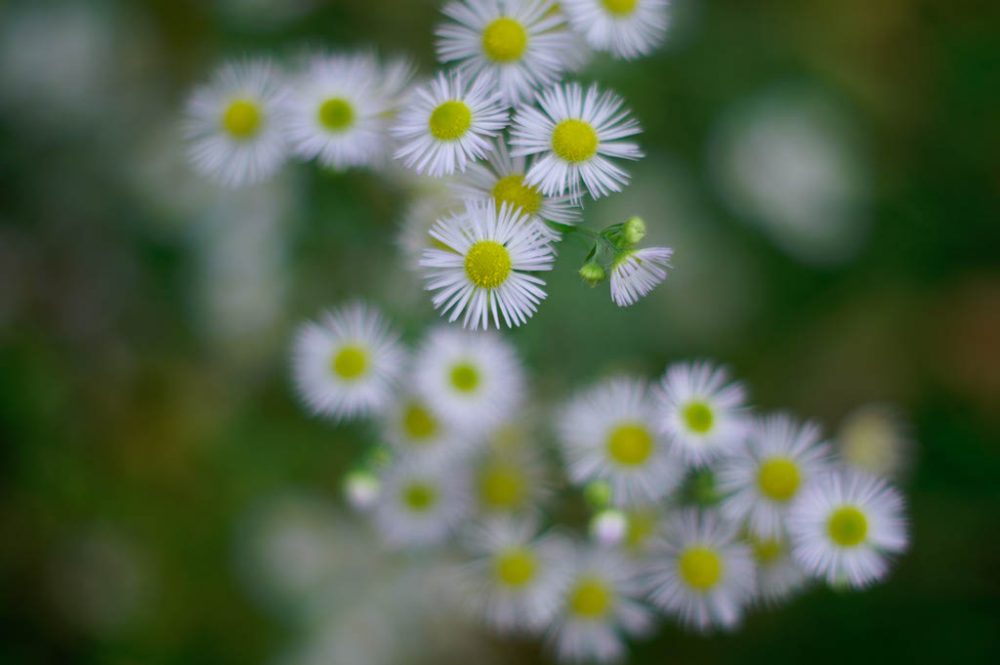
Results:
x,y
593,273
634,231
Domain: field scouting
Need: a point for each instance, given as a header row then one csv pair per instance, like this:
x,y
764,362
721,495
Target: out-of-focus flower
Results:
x,y
874,439
421,502
627,29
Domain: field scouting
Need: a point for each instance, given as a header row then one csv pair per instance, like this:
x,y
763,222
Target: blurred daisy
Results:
x,y
608,433
516,579
875,439
573,137
778,574
348,364
702,415
335,112
473,380
636,272
420,503
518,44
777,462
501,178
412,427
600,603
422,212
625,28
700,572
234,125
447,123
845,526
509,480
395,77
484,265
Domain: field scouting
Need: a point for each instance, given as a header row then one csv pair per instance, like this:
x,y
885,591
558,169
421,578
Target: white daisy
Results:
x,y
484,265
778,574
474,380
845,526
335,112
573,137
875,439
234,124
625,28
700,572
420,503
509,479
775,464
517,578
422,211
609,433
395,77
348,364
599,604
702,415
412,427
636,272
501,178
519,44
446,123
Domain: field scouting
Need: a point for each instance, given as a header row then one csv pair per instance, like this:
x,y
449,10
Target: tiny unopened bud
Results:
x,y
361,489
609,527
593,273
634,230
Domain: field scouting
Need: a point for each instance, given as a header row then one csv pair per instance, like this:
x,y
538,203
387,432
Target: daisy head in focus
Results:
x,y
702,414
448,123
348,363
700,571
420,502
520,45
473,380
573,137
335,112
608,433
599,606
627,29
234,124
482,270
762,478
846,526
778,574
516,578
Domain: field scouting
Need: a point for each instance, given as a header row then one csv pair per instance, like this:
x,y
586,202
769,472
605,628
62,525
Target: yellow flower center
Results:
x,y
766,550
487,264
419,424
515,567
778,479
574,140
504,40
512,190
336,114
698,417
420,497
620,7
464,377
350,362
700,568
501,486
450,120
630,444
847,526
590,598
242,119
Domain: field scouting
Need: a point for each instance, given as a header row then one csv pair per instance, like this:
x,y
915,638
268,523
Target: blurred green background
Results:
x,y
163,499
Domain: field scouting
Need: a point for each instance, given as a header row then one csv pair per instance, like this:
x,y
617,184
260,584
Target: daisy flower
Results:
x,y
422,212
700,572
335,112
501,179
636,272
509,480
483,266
608,433
447,123
599,604
234,124
625,28
395,76
875,439
778,574
516,579
775,464
702,415
520,45
845,526
412,427
348,363
474,380
420,503
573,138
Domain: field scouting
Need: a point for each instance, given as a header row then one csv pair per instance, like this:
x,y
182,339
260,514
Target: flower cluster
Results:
x,y
519,146
700,508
